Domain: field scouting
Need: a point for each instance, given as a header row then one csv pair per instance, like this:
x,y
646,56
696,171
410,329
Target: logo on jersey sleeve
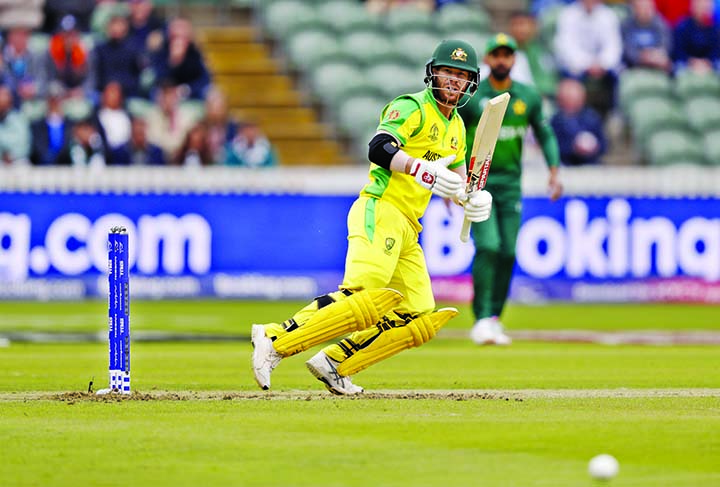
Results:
x,y
392,115
389,244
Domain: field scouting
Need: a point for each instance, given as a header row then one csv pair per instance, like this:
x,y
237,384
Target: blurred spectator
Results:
x,y
534,64
112,121
167,124
221,127
146,28
53,132
696,41
181,61
138,151
85,147
195,150
117,59
578,127
588,47
14,131
56,10
250,148
673,11
69,60
646,38
24,69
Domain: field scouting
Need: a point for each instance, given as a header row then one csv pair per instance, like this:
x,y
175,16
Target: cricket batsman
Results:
x,y
385,303
495,238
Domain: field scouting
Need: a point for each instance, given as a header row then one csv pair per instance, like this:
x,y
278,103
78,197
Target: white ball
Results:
x,y
603,467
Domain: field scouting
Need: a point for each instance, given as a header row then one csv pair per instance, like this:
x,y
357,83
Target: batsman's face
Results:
x,y
450,84
500,61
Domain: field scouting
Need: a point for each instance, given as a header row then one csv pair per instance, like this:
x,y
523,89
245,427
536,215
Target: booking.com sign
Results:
x,y
74,245
588,239
597,238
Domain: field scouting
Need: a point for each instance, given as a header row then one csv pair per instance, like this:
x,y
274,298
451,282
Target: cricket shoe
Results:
x,y
264,358
489,331
325,369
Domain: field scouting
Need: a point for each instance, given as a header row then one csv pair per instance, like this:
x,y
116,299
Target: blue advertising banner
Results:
x,y
53,246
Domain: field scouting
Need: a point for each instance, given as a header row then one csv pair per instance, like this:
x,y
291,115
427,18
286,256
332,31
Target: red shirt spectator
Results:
x,y
673,10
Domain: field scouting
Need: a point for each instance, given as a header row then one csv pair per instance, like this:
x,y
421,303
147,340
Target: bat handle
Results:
x,y
465,232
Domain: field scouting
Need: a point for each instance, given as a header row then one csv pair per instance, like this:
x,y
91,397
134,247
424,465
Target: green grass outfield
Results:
x,y
448,413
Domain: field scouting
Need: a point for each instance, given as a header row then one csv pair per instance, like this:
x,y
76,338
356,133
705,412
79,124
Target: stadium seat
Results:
x,y
712,147
194,108
34,109
689,84
102,13
635,83
347,15
395,79
306,47
417,45
330,80
139,107
475,38
669,146
456,16
38,42
360,113
77,108
703,113
366,45
650,114
280,17
405,17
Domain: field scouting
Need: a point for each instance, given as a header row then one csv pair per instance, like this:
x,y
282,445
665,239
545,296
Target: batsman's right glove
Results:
x,y
478,206
435,176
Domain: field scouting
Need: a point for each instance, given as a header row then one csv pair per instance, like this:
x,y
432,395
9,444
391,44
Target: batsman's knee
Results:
x,y
345,314
395,339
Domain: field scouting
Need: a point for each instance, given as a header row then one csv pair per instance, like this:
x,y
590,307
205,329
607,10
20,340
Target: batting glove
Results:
x,y
478,206
435,176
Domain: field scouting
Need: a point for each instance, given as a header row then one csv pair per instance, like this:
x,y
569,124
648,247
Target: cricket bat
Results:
x,y
486,136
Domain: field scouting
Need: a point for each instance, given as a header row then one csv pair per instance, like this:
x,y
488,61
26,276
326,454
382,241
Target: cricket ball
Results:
x,y
603,467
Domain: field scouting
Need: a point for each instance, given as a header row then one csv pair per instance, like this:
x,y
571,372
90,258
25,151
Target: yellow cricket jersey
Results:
x,y
423,132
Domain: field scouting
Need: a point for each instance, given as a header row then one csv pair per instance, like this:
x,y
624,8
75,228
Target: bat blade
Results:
x,y
486,135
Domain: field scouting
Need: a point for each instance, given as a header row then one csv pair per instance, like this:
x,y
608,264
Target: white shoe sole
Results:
x,y
319,376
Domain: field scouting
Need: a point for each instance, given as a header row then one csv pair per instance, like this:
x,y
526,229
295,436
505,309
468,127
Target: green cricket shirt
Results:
x,y
524,109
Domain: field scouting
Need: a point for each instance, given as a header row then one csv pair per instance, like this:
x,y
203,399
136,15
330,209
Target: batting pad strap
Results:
x,y
356,312
395,340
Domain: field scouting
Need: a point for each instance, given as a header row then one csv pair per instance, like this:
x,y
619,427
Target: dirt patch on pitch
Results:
x,y
444,395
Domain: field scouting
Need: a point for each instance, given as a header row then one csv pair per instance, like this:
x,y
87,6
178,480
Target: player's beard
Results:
x,y
444,95
500,72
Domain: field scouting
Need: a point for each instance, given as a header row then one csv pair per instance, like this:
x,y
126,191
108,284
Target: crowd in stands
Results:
x,y
576,65
86,63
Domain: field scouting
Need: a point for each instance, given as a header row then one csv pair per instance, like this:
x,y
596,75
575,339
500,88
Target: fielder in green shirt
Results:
x,y
495,238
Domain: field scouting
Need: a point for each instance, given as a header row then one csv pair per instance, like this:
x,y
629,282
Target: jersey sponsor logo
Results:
x,y
389,244
431,156
453,143
428,178
392,115
459,54
434,133
519,107
509,132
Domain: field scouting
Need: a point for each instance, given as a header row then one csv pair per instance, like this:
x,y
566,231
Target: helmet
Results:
x,y
457,54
